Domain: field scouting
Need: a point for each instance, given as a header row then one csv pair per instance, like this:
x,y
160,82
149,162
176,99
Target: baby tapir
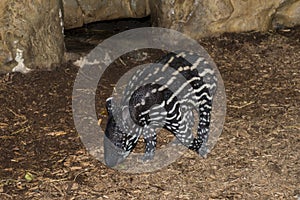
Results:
x,y
163,95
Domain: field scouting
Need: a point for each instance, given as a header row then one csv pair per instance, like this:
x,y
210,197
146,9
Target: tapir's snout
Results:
x,y
113,155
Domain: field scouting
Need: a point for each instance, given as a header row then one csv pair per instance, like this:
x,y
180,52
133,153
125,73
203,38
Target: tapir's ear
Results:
x,y
126,115
109,105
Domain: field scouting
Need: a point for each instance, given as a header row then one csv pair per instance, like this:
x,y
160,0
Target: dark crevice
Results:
x,y
84,39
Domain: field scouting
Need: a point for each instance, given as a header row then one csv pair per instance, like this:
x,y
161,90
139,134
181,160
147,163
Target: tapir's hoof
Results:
x,y
203,151
147,157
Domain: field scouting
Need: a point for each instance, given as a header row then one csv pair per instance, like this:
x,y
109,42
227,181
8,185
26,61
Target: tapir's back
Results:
x,y
177,79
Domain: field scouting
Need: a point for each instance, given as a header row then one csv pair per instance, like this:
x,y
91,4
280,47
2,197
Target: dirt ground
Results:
x,y
256,157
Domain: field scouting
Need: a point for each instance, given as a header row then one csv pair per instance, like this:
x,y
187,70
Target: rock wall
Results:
x,y
31,34
197,18
79,12
201,18
287,15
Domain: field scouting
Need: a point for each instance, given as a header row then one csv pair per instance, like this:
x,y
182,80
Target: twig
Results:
x,y
58,189
242,106
295,127
122,61
83,171
20,130
7,195
17,115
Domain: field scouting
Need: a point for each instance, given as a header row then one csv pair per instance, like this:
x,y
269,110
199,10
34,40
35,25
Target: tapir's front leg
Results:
x,y
150,141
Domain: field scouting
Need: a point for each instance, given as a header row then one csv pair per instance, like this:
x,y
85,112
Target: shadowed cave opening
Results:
x,y
84,39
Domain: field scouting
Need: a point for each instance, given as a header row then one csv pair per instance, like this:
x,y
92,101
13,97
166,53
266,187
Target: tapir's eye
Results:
x,y
118,144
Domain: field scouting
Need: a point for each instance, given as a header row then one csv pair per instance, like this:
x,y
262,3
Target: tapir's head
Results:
x,y
118,143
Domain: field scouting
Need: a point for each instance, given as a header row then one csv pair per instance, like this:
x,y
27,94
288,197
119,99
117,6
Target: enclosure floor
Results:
x,y
256,157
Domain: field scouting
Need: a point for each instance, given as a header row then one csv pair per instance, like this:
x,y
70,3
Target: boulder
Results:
x,y
212,17
288,15
79,12
31,35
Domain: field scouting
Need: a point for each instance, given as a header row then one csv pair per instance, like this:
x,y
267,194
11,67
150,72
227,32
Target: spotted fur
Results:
x,y
162,96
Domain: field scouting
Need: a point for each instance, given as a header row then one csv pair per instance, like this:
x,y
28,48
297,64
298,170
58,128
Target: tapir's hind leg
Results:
x,y
184,132
203,126
150,141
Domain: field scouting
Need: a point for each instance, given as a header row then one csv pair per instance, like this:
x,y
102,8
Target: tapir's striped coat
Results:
x,y
162,96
